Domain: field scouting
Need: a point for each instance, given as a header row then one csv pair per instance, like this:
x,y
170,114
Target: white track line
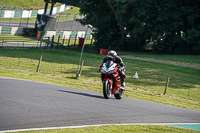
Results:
x,y
47,128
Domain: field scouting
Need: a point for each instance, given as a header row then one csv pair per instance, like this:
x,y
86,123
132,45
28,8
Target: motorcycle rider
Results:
x,y
112,55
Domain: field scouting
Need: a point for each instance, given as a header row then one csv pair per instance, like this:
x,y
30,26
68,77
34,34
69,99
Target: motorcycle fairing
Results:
x,y
110,76
110,70
117,82
108,67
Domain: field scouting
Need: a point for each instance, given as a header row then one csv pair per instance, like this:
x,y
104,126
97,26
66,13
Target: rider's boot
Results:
x,y
122,84
122,75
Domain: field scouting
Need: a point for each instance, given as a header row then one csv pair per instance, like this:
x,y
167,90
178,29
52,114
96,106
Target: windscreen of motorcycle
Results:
x,y
109,63
108,67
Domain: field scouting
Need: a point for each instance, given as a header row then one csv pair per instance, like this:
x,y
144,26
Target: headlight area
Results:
x,y
103,71
111,71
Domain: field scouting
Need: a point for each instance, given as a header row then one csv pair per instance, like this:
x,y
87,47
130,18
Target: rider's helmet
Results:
x,y
111,55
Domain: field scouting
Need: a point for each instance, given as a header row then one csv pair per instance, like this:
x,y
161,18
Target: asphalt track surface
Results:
x,y
26,104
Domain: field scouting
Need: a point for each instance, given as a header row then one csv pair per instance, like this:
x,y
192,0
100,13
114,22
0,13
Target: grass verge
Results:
x,y
180,58
9,38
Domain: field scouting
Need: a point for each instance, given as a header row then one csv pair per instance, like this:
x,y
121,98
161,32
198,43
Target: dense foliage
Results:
x,y
173,26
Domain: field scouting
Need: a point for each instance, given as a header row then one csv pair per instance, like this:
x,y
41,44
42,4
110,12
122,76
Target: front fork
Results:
x,y
110,81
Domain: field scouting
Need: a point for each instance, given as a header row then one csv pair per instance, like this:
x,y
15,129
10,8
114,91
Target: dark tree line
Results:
x,y
172,25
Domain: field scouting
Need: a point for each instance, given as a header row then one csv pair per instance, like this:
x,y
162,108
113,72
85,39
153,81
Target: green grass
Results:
x,y
22,20
74,11
180,58
9,38
31,4
119,129
69,14
60,66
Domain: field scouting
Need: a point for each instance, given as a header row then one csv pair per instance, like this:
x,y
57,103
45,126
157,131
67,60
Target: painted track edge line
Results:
x,y
51,128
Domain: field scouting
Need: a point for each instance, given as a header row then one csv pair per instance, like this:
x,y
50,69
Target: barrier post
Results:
x,y
58,40
63,41
52,42
2,41
38,68
166,85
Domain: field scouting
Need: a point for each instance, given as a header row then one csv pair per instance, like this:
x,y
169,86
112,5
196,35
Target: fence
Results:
x,y
55,39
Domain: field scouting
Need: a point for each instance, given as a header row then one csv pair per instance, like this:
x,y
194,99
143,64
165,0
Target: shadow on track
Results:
x,y
83,94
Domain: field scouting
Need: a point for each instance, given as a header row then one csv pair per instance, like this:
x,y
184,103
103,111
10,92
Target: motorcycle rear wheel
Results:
x,y
106,89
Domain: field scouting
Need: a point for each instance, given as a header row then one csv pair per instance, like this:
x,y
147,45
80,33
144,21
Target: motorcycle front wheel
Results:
x,y
106,89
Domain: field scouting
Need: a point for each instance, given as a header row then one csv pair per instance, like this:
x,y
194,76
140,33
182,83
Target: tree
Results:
x,y
126,25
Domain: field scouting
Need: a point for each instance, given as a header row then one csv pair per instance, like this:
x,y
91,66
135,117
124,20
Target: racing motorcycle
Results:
x,y
111,80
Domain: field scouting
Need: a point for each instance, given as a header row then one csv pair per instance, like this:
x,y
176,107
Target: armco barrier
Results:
x,y
11,30
67,34
6,30
59,33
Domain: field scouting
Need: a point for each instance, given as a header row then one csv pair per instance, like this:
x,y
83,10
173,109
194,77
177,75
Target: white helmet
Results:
x,y
111,55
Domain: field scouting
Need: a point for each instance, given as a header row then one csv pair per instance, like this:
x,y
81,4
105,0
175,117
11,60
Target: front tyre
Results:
x,y
106,89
